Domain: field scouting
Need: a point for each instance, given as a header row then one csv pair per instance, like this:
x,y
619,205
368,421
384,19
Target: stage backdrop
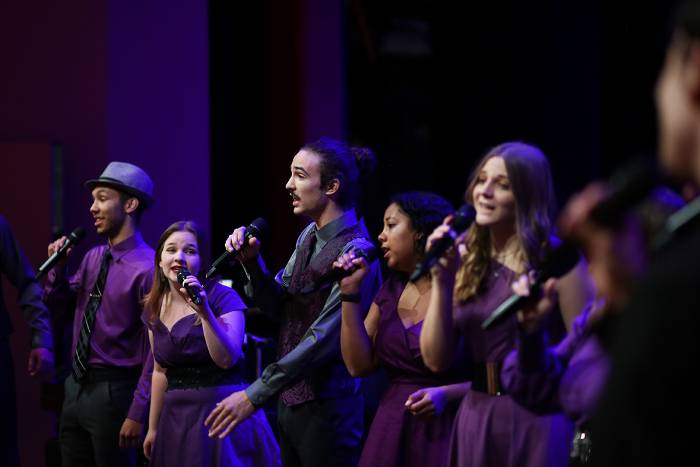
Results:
x,y
26,194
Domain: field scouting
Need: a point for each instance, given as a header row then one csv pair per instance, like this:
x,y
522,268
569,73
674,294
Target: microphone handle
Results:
x,y
44,268
512,304
194,295
335,274
431,257
422,269
227,254
53,259
196,299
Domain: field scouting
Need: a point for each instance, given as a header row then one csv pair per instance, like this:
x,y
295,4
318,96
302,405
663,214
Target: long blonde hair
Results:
x,y
153,300
531,182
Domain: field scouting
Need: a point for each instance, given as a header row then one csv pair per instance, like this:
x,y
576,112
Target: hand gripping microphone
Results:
x,y
257,229
560,260
182,274
73,239
462,220
370,254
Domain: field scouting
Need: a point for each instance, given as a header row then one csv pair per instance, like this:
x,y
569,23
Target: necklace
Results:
x,y
510,256
412,295
413,303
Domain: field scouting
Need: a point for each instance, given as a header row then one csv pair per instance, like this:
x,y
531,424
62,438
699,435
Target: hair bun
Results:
x,y
366,160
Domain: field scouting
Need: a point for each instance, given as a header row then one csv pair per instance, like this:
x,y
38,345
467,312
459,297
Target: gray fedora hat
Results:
x,y
128,178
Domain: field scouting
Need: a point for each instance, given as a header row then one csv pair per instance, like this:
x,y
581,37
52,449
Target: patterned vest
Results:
x,y
300,310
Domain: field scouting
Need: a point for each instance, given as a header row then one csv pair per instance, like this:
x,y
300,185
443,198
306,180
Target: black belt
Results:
x,y
100,375
487,378
198,377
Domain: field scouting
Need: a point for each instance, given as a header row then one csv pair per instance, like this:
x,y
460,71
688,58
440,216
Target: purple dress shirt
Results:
x,y
119,338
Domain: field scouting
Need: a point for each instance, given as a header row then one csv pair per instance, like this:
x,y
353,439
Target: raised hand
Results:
x,y
193,283
447,266
532,316
237,242
55,246
348,261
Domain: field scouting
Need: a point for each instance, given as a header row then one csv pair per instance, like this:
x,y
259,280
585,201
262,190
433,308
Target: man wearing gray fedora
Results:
x,y
107,392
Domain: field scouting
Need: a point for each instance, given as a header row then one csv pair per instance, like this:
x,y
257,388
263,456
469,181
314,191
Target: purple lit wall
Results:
x,y
158,104
52,90
106,80
113,81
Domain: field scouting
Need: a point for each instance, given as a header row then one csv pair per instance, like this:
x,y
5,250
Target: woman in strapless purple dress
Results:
x,y
414,419
511,190
198,360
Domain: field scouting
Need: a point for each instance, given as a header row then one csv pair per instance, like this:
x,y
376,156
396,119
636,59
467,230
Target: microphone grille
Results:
x,y
257,228
77,234
463,218
370,254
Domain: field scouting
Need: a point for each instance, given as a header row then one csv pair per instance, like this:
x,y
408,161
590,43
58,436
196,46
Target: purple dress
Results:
x,y
182,437
492,430
398,438
568,377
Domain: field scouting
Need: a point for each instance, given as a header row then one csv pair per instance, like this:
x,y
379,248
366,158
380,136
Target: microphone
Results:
x,y
462,220
335,274
629,187
257,229
559,261
194,294
73,239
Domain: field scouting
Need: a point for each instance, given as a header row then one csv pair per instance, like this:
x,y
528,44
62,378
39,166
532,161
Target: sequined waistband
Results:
x,y
198,377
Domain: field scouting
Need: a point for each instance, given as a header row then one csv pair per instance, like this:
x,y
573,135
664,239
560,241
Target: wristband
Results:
x,y
350,297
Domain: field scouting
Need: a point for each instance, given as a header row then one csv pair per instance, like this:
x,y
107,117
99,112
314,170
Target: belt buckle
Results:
x,y
492,378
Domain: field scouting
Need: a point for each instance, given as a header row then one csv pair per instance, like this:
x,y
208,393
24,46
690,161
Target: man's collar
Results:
x,y
333,228
120,249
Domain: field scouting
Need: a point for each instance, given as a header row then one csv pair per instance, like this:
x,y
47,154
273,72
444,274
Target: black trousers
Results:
x,y
321,433
92,416
9,455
